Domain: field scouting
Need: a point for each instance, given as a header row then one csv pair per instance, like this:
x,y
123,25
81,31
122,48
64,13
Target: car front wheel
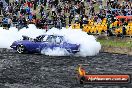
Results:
x,y
20,49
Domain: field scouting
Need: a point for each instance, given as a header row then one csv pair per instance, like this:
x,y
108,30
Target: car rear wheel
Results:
x,y
21,49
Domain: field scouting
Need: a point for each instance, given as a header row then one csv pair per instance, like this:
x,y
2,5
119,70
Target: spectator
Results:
x,y
1,7
76,18
55,12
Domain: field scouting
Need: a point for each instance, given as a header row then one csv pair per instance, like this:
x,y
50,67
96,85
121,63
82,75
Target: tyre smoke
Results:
x,y
88,44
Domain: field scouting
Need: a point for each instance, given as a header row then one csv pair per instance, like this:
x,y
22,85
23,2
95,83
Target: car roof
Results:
x,y
51,35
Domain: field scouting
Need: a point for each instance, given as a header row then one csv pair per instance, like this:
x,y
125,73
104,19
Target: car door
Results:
x,y
58,42
51,42
47,43
35,45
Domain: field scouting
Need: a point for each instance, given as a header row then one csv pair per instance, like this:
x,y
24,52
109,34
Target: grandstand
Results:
x,y
93,17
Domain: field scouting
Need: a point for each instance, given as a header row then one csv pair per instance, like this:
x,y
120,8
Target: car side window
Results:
x,y
58,40
48,39
51,39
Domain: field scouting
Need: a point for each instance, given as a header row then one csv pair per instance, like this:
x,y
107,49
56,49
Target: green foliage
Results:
x,y
115,43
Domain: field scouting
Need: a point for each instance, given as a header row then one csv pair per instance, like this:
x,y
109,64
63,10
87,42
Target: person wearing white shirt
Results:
x,y
77,18
53,10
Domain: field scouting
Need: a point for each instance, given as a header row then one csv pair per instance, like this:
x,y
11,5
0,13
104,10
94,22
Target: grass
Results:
x,y
115,43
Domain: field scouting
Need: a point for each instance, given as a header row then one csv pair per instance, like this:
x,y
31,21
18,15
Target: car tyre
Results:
x,y
21,49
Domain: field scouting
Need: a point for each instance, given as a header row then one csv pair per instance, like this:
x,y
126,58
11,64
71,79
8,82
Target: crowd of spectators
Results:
x,y
60,13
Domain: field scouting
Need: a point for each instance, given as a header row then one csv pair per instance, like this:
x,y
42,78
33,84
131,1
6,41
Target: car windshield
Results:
x,y
50,39
39,38
54,39
45,38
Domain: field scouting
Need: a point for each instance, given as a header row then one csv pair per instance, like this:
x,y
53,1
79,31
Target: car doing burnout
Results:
x,y
43,42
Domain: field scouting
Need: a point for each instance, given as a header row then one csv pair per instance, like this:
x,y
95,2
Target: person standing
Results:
x,y
1,7
123,31
35,4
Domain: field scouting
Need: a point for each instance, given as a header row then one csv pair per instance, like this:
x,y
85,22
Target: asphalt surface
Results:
x,y
40,71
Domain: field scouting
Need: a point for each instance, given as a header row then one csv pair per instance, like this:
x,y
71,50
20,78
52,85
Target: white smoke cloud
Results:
x,y
88,44
55,52
7,37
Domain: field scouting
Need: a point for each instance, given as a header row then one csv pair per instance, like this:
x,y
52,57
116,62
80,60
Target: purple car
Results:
x,y
43,42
